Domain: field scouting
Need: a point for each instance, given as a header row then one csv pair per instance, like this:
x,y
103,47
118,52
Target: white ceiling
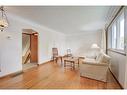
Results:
x,y
65,19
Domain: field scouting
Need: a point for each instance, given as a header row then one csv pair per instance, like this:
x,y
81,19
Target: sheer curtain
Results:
x,y
125,30
103,40
126,45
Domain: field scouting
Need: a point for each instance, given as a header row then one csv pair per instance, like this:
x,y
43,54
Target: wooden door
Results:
x,y
34,48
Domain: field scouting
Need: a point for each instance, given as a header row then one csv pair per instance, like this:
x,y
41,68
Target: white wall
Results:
x,y
126,46
118,66
11,48
10,53
80,44
126,74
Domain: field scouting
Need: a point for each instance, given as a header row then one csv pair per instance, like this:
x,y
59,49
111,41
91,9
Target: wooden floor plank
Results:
x,y
54,76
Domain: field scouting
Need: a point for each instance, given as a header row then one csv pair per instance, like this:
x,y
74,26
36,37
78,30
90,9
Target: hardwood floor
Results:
x,y
54,76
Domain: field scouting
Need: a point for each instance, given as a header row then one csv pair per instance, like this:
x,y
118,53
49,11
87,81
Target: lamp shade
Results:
x,y
95,46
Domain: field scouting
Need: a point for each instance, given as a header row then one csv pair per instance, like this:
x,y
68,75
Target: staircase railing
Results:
x,y
26,57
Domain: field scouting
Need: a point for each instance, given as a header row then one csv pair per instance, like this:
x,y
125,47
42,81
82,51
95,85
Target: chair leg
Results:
x,y
73,65
53,59
64,63
61,60
56,60
78,62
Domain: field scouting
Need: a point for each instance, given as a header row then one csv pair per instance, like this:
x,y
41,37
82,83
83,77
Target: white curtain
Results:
x,y
125,30
103,40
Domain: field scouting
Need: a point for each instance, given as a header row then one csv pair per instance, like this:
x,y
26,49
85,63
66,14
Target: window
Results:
x,y
114,36
121,41
118,33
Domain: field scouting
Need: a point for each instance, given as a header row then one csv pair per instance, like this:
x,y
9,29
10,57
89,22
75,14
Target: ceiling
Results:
x,y
65,19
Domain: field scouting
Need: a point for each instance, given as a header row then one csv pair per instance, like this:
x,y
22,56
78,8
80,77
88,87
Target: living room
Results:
x,y
76,28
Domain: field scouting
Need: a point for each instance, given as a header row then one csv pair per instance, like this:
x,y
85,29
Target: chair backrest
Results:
x,y
69,52
55,52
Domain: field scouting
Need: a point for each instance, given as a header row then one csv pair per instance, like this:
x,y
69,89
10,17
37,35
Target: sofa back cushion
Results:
x,y
99,57
105,59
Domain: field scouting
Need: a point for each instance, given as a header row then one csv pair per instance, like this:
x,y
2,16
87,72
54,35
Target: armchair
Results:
x,y
95,68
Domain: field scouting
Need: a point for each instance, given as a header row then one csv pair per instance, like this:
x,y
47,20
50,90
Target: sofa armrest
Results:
x,y
97,64
90,62
94,71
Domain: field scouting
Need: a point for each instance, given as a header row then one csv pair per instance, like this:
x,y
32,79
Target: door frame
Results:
x,y
27,33
37,44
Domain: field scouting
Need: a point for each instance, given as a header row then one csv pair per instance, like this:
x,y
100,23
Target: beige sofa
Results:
x,y
95,68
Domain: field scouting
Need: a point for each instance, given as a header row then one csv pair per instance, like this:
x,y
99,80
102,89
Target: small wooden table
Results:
x,y
72,61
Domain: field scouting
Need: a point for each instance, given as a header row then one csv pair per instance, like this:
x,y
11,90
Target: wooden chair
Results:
x,y
55,55
69,54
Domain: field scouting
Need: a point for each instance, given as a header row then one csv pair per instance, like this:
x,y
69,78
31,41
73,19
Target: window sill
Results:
x,y
117,51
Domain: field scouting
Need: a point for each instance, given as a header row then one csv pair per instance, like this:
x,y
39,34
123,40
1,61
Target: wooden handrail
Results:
x,y
27,54
27,50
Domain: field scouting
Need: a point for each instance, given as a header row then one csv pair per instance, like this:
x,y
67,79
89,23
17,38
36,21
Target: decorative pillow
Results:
x,y
98,56
105,58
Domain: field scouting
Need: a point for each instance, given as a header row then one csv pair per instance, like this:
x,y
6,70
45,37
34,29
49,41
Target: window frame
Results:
x,y
117,20
120,31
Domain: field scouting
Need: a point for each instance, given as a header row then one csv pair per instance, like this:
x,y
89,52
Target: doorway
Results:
x,y
29,49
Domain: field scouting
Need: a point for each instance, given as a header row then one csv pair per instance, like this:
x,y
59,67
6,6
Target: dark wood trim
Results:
x,y
109,25
115,16
26,33
30,34
116,51
12,74
106,40
116,80
122,53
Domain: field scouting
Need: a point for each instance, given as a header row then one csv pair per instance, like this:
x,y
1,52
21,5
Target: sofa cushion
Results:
x,y
90,61
102,58
105,58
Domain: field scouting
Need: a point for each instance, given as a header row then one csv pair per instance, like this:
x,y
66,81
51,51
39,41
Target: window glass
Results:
x,y
118,33
114,36
121,39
